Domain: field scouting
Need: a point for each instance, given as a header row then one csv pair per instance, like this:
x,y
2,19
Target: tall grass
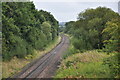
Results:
x,y
89,64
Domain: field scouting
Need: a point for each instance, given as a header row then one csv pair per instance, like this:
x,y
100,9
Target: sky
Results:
x,y
65,11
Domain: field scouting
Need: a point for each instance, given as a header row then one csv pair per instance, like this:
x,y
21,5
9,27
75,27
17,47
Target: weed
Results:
x,y
84,65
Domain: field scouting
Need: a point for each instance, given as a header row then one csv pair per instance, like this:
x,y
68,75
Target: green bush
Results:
x,y
70,52
81,44
17,48
85,65
30,49
114,64
41,42
36,38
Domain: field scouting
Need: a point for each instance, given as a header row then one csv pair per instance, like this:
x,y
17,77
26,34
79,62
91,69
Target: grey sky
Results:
x,y
68,11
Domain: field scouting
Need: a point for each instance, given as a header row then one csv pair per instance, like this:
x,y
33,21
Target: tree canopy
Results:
x,y
25,28
95,29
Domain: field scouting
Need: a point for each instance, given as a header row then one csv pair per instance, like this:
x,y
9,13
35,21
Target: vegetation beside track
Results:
x,y
9,68
90,64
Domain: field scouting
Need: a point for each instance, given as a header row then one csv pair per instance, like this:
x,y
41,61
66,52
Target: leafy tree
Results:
x,y
46,28
25,29
111,34
93,29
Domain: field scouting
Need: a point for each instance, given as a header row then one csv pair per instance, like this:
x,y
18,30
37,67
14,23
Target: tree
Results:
x,y
24,28
90,27
111,34
46,28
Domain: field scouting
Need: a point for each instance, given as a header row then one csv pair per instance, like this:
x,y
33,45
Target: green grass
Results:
x,y
84,65
85,70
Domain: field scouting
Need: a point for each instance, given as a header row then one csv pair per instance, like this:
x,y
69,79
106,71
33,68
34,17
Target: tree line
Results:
x,y
25,29
95,29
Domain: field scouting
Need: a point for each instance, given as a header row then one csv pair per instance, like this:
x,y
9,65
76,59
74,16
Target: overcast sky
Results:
x,y
68,11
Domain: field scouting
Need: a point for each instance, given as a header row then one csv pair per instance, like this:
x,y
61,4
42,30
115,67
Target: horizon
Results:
x,y
68,11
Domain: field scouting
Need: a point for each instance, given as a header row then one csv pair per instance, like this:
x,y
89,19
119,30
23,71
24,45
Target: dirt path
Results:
x,y
45,66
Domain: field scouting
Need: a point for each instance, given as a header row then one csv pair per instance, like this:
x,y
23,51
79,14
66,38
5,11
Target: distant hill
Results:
x,y
119,7
62,23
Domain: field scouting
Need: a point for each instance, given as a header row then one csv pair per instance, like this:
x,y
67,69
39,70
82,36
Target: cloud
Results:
x,y
75,0
67,11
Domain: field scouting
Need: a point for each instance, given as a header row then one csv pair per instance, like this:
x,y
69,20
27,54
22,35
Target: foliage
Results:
x,y
70,51
25,29
111,35
16,46
114,64
95,70
84,65
95,30
46,28
15,65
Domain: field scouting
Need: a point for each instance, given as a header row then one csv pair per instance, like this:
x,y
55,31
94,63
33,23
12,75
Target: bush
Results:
x,y
16,48
36,38
85,65
70,52
112,45
114,64
41,43
30,49
81,44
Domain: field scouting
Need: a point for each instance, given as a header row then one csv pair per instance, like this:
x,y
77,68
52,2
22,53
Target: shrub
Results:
x,y
81,44
114,64
17,47
85,65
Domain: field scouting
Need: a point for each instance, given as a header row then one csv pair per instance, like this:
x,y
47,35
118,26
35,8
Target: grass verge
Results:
x,y
89,64
9,68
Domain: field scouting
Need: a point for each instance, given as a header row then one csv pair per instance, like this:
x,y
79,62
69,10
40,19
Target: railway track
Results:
x,y
45,66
